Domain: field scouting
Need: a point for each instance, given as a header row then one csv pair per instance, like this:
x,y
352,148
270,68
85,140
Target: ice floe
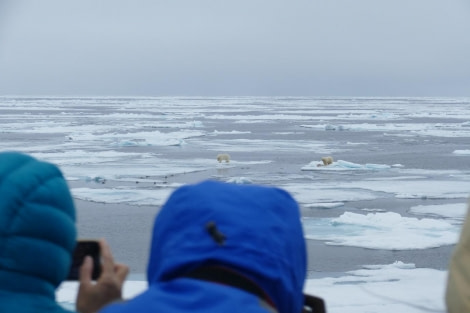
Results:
x,y
387,231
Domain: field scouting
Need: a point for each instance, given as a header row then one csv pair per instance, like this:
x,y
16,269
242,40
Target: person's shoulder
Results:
x,y
184,294
27,303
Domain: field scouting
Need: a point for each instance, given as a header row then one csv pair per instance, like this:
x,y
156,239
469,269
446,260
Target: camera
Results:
x,y
82,249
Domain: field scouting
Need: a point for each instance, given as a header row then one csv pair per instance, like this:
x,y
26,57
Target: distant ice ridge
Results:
x,y
81,156
258,145
452,211
462,152
154,138
124,195
233,132
413,129
390,288
240,180
325,194
386,231
335,127
345,165
325,205
400,187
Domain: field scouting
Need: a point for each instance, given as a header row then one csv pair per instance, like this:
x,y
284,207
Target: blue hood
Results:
x,y
263,237
37,232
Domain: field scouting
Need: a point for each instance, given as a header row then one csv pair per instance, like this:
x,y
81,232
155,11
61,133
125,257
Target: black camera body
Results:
x,y
82,249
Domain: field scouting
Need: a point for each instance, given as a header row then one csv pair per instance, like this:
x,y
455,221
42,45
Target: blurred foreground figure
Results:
x,y
37,239
220,247
37,233
458,283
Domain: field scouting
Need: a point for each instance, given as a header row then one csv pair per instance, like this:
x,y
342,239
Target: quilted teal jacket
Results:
x,y
37,234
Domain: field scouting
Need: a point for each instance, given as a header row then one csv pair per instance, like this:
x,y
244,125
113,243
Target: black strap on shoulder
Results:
x,y
229,277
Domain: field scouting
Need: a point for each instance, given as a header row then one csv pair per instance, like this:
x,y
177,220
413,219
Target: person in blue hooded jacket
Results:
x,y
38,236
220,247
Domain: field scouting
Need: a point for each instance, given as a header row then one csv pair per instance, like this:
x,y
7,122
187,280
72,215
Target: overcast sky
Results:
x,y
231,48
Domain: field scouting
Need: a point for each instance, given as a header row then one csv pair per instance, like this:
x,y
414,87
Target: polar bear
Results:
x,y
327,160
223,157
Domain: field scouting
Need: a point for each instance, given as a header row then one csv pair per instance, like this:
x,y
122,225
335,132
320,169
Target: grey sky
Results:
x,y
243,47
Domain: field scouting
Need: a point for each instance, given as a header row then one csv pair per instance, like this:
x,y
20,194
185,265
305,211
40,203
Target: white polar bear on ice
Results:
x,y
326,161
223,157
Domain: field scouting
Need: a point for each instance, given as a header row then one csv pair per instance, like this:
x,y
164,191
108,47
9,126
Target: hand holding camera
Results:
x,y
92,296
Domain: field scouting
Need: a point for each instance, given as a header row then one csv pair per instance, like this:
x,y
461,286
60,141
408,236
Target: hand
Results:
x,y
91,296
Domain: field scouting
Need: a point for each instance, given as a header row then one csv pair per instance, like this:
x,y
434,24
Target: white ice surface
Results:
x,y
343,165
124,195
381,230
391,288
454,211
462,152
367,189
411,129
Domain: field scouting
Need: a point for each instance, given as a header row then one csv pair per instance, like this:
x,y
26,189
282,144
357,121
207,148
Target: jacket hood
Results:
x,y
37,225
260,235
